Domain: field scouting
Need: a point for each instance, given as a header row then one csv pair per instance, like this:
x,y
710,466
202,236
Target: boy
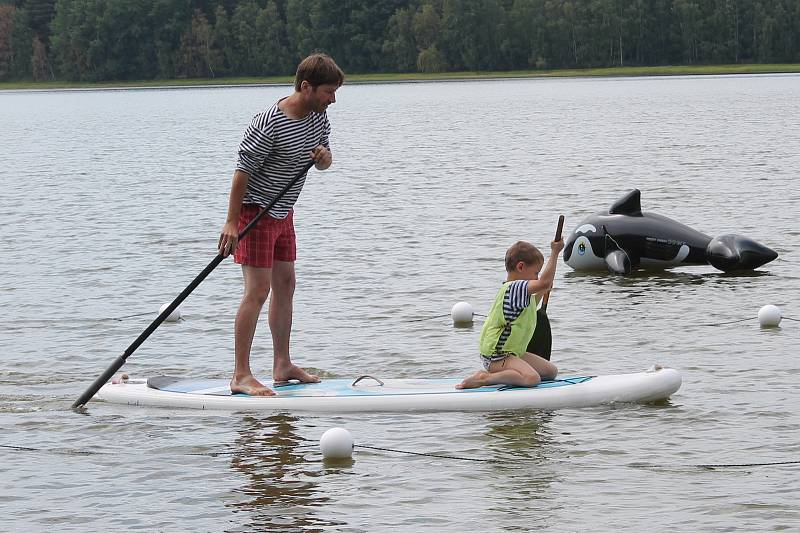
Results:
x,y
512,319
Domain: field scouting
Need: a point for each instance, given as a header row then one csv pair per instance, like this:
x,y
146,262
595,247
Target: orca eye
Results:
x,y
581,248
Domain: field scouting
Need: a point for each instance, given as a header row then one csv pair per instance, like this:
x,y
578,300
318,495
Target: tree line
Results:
x,y
109,40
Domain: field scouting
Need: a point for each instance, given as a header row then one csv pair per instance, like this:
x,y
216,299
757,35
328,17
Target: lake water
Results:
x,y
112,202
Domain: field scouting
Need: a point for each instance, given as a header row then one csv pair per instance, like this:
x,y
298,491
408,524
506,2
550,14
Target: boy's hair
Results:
x,y
318,69
525,252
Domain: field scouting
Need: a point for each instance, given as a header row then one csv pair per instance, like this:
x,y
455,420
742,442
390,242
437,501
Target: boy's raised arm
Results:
x,y
546,277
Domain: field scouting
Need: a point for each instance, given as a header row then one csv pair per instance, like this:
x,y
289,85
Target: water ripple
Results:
x,y
121,208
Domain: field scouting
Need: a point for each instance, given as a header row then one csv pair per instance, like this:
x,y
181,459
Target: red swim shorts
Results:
x,y
271,239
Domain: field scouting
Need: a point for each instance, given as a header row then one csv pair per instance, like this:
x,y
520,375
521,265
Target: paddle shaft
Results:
x,y
119,361
559,229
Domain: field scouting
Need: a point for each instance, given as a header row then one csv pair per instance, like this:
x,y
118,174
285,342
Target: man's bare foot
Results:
x,y
293,372
478,379
250,386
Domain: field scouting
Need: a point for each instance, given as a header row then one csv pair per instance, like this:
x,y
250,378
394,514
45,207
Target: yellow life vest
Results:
x,y
520,330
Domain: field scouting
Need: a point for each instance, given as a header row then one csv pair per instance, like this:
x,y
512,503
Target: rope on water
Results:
x,y
725,323
743,320
58,451
149,313
239,452
437,456
120,318
428,318
438,316
63,451
740,465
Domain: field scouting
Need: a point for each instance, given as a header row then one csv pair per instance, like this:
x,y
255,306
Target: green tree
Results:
x,y
299,29
272,44
92,40
246,60
40,63
364,33
560,44
472,34
526,33
431,60
40,13
225,40
6,43
200,56
73,35
171,19
123,48
21,66
399,47
688,22
427,26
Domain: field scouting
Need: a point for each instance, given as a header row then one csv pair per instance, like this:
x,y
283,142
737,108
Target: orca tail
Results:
x,y
735,252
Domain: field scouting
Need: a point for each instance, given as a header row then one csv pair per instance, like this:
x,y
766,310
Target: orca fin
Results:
x,y
617,259
619,262
630,204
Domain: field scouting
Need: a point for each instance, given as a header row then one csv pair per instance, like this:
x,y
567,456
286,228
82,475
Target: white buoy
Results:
x,y
174,316
336,443
769,316
462,313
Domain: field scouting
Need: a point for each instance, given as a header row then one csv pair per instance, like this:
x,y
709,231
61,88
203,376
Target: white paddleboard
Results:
x,y
367,394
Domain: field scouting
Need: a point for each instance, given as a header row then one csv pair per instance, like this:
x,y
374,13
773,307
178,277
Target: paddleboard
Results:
x,y
370,394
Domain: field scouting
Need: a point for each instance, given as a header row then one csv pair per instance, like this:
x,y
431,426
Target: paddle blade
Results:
x,y
541,343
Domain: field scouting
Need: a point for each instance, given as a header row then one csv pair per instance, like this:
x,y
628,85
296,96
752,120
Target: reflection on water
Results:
x,y
524,447
643,278
279,494
520,435
667,276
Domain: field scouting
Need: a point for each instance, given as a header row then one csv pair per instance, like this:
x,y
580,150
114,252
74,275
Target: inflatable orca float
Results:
x,y
625,239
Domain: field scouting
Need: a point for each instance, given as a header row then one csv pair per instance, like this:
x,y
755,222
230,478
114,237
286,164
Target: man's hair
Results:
x,y
525,252
318,69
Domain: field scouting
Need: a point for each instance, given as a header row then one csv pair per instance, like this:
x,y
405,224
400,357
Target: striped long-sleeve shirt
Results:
x,y
274,149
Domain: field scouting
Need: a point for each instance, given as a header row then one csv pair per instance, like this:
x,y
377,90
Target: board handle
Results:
x,y
366,377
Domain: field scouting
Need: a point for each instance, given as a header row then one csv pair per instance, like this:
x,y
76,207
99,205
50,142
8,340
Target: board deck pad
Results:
x,y
344,387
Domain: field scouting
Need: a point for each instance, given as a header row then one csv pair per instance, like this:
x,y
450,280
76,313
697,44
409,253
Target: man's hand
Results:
x,y
322,157
228,239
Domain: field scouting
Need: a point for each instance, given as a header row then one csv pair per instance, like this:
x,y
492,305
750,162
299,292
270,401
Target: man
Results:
x,y
275,148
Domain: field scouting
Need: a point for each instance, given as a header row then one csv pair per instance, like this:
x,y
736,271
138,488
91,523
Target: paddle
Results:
x,y
119,361
542,341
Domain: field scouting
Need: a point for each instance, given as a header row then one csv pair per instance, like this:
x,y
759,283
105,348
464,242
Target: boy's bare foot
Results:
x,y
250,386
293,372
478,379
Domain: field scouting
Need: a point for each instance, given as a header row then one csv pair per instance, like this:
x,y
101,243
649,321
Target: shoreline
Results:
x,y
610,72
